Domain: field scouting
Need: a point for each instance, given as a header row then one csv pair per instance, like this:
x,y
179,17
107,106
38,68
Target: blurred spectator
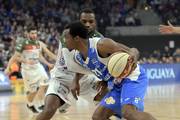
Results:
x,y
166,52
176,55
166,9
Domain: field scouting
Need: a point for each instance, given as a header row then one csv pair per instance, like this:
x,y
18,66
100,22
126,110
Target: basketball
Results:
x,y
117,64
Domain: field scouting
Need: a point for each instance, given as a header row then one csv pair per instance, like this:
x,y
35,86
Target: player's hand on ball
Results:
x,y
134,55
120,65
130,66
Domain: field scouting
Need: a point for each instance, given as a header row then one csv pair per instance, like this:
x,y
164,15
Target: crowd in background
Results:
x,y
165,55
50,17
167,10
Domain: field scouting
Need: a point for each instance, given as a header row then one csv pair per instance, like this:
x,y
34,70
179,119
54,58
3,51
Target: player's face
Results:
x,y
33,34
88,19
69,41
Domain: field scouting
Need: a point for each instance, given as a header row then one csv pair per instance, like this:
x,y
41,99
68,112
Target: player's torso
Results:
x,y
31,51
93,62
60,68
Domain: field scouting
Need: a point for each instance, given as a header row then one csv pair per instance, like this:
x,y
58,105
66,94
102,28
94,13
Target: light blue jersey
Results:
x,y
130,91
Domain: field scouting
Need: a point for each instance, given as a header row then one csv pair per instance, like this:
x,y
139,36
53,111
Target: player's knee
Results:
x,y
128,111
50,110
96,117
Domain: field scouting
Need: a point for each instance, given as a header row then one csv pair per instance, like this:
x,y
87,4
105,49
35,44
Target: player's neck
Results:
x,y
83,49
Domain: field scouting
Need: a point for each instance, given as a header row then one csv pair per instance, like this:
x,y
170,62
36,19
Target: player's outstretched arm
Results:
x,y
169,29
43,60
47,51
15,58
75,87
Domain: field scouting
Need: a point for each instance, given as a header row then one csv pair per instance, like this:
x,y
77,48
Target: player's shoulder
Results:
x,y
98,34
105,41
21,41
95,34
62,41
42,44
105,45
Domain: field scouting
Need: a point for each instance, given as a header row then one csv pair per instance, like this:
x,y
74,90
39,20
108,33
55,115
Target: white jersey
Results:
x,y
65,65
31,52
60,67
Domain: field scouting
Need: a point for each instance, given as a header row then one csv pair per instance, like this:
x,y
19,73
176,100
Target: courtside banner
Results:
x,y
4,82
162,72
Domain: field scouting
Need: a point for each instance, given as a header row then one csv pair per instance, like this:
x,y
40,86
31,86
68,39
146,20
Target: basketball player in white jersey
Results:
x,y
29,54
60,84
62,77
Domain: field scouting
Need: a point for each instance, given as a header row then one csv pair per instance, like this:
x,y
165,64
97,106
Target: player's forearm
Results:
x,y
43,60
48,52
13,59
78,76
177,30
51,55
135,53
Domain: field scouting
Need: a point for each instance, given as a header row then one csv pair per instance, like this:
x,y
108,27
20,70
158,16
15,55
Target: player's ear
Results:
x,y
76,38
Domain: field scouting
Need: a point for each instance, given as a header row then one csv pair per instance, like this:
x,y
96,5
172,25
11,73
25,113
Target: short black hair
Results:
x,y
30,28
78,29
86,10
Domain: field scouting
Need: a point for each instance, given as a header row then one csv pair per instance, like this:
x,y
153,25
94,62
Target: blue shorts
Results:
x,y
128,92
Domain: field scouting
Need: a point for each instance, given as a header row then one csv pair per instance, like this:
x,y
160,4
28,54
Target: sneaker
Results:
x,y
40,108
32,108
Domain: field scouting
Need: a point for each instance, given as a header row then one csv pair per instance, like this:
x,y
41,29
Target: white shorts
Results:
x,y
33,78
61,87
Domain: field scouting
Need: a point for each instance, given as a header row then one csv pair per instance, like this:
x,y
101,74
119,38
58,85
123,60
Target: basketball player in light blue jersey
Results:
x,y
62,77
125,99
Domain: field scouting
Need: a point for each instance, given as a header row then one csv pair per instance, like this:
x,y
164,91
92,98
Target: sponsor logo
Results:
x,y
110,100
137,99
31,47
160,73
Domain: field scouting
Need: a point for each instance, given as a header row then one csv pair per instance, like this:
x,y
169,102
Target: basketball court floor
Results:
x,y
162,101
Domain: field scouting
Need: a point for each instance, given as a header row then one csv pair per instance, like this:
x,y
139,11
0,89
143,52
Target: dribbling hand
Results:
x,y
75,90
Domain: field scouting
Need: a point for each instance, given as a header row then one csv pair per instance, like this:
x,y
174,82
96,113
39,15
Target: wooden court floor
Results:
x,y
162,101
